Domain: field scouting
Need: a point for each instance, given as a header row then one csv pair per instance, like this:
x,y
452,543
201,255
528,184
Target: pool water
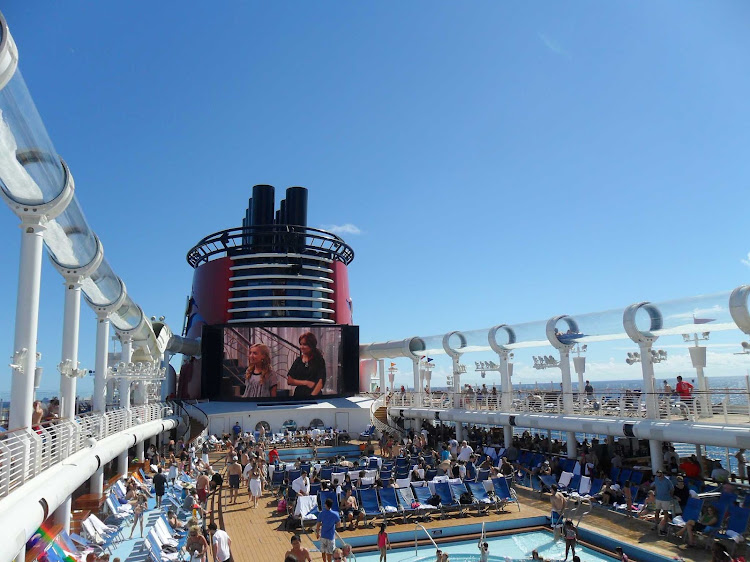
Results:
x,y
515,547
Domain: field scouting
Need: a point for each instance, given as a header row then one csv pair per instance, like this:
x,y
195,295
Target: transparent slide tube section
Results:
x,y
30,169
69,240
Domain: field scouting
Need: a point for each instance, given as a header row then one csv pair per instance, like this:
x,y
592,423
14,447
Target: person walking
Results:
x,y
254,487
160,485
383,542
325,530
138,510
221,543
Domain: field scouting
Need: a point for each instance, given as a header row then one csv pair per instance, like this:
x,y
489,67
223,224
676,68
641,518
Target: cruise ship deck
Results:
x,y
259,534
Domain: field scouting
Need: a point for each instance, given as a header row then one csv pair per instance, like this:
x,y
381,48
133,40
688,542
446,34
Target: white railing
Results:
x,y
718,405
24,453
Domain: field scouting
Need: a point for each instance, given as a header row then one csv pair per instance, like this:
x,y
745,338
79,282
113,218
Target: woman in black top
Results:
x,y
308,372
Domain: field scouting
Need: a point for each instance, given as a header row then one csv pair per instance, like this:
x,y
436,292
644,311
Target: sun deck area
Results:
x,y
260,534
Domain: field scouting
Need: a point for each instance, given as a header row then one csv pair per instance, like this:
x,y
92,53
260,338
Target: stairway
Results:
x,y
381,420
382,414
194,430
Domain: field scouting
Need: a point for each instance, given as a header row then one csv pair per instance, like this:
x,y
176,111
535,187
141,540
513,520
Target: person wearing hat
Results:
x,y
298,553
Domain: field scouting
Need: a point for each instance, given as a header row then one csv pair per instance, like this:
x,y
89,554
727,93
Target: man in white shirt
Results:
x,y
465,452
221,543
301,485
453,446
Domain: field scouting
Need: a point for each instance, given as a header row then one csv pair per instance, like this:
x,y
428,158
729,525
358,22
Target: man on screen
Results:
x,y
308,372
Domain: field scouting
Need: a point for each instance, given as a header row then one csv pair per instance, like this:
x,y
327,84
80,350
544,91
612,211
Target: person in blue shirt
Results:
x,y
445,454
664,501
237,429
328,520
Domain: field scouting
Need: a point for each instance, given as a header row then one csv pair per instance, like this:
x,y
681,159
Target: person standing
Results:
x,y
234,471
571,537
220,542
589,390
684,390
160,484
740,456
236,430
254,487
484,550
138,511
557,500
325,530
260,380
383,542
308,372
664,490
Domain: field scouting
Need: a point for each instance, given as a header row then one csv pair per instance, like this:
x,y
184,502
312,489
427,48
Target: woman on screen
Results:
x,y
260,380
308,372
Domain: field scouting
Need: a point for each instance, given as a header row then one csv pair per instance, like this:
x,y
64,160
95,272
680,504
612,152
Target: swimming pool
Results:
x,y
516,547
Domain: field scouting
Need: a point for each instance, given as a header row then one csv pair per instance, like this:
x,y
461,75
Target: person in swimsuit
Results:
x,y
234,470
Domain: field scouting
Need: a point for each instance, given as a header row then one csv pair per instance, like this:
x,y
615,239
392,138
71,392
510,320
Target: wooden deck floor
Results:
x,y
258,536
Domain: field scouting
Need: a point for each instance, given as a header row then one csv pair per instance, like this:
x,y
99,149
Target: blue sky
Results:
x,y
502,162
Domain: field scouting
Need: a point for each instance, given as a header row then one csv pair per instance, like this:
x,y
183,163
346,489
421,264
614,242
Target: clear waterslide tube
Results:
x,y
30,169
128,316
700,313
69,240
32,174
103,287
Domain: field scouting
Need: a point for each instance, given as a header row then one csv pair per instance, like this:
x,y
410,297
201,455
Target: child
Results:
x,y
571,536
383,542
621,555
484,550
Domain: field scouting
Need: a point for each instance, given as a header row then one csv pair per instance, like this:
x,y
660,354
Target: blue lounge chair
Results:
x,y
422,496
406,502
596,486
390,504
447,501
737,522
482,499
370,504
323,495
504,493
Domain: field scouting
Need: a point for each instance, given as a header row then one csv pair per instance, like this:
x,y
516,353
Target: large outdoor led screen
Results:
x,y
272,363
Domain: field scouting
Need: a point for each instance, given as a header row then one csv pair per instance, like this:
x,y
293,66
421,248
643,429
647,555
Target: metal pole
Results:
x,y
647,367
100,374
71,325
27,320
127,354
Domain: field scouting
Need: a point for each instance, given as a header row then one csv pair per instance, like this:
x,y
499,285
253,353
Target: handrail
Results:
x,y
418,526
715,402
27,452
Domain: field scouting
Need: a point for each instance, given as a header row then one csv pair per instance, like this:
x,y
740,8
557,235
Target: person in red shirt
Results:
x,y
684,389
273,456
